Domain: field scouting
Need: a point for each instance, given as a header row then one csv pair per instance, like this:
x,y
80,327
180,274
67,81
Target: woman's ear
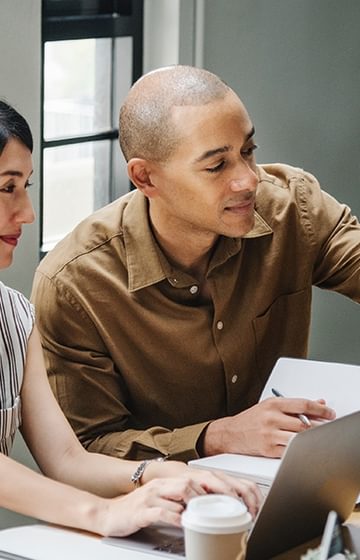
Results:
x,y
139,171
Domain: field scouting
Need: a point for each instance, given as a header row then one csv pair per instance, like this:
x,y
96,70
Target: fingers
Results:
x,y
246,489
180,489
156,514
220,483
316,409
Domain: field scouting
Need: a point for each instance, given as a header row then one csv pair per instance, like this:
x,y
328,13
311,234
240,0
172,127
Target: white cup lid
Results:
x,y
216,513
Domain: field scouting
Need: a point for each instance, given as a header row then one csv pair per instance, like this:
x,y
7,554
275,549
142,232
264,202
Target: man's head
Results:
x,y
189,144
146,128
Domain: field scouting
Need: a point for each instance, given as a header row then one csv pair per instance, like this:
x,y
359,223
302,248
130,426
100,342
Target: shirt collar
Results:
x,y
146,264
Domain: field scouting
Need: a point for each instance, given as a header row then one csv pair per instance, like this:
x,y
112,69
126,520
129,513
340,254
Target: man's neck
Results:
x,y
189,250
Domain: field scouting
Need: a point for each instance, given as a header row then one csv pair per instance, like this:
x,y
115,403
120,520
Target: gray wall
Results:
x,y
20,86
296,65
20,49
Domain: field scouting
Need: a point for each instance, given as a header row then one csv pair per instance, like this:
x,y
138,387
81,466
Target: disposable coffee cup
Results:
x,y
215,528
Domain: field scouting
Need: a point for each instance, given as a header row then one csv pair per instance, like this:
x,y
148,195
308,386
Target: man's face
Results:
x,y
209,183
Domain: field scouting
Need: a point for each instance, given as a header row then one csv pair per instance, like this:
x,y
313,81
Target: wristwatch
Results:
x,y
136,477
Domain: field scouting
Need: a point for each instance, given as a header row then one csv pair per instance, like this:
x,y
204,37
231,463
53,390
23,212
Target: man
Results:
x,y
163,313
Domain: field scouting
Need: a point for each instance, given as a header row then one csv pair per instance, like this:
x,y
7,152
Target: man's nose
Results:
x,y
246,179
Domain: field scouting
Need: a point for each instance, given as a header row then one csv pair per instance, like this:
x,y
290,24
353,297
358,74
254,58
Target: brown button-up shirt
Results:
x,y
139,363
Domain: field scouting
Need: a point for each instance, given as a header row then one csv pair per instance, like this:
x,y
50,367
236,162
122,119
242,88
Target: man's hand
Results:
x,y
265,428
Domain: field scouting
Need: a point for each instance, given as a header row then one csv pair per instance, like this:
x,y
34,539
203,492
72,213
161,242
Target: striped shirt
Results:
x,y
16,323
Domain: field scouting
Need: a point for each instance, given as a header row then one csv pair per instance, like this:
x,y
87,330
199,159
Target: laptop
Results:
x,y
319,472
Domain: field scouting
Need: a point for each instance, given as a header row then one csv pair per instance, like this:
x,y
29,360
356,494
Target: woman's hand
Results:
x,y
211,482
164,499
161,500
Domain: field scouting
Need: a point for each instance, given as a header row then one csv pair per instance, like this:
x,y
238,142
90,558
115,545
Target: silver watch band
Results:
x,y
136,477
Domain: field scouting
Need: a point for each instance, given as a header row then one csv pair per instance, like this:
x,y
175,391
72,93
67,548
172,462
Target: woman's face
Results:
x,y
15,205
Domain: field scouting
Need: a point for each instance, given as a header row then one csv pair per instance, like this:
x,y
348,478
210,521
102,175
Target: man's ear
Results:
x,y
139,171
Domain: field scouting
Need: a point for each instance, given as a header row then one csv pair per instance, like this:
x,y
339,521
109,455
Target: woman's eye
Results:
x,y
249,151
9,189
217,167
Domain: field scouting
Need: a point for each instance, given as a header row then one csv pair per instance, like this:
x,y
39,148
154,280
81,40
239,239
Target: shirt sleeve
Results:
x,y
179,444
336,231
90,389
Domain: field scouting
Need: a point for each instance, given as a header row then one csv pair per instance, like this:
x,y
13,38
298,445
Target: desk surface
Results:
x,y
42,542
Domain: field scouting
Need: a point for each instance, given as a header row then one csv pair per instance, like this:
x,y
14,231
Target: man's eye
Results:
x,y
216,168
249,151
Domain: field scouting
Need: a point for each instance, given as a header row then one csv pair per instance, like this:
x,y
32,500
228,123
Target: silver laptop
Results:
x,y
320,471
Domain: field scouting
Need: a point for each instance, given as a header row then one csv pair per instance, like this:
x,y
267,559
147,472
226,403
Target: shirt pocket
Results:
x,y
10,420
282,331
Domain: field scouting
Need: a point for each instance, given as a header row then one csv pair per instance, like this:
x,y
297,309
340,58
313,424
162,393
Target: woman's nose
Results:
x,y
25,212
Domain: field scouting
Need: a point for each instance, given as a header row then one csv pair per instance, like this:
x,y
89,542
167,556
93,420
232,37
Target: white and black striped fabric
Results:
x,y
16,323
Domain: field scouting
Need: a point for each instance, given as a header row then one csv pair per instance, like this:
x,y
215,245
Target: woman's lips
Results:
x,y
10,239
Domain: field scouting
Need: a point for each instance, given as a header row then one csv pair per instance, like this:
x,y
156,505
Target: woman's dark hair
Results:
x,y
13,125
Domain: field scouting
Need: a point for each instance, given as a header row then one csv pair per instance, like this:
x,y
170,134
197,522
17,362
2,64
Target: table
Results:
x,y
46,542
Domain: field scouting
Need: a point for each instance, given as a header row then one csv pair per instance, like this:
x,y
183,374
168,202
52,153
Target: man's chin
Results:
x,y
239,230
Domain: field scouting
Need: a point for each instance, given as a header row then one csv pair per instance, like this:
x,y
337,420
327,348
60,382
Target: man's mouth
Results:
x,y
241,207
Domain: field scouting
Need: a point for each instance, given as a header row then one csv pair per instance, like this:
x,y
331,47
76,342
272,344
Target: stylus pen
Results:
x,y
304,419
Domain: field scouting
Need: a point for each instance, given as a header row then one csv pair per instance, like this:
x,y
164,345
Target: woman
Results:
x,y
80,489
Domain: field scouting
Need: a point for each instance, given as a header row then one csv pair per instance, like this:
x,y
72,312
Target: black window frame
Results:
x,y
64,20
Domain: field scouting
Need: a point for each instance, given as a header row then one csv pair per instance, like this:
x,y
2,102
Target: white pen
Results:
x,y
304,419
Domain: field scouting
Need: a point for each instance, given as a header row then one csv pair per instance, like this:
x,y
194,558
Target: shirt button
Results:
x,y
194,289
234,379
219,325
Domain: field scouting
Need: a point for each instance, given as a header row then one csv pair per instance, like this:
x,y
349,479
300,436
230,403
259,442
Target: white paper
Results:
x,y
338,384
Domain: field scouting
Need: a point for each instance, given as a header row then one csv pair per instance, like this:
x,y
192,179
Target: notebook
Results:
x,y
338,384
320,471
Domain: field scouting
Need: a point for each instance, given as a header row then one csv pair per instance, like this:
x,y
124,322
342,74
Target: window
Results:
x,y
92,53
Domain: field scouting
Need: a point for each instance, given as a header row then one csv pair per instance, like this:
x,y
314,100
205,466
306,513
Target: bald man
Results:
x,y
163,313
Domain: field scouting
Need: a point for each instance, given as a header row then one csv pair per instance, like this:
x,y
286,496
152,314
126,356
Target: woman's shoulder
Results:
x,y
13,301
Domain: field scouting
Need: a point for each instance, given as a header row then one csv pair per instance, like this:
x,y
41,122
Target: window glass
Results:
x,y
77,87
76,178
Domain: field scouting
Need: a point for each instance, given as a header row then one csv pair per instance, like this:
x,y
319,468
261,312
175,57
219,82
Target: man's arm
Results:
x,y
337,266
89,386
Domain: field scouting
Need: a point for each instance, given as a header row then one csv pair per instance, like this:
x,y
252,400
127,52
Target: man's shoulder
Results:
x,y
284,176
282,185
91,235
